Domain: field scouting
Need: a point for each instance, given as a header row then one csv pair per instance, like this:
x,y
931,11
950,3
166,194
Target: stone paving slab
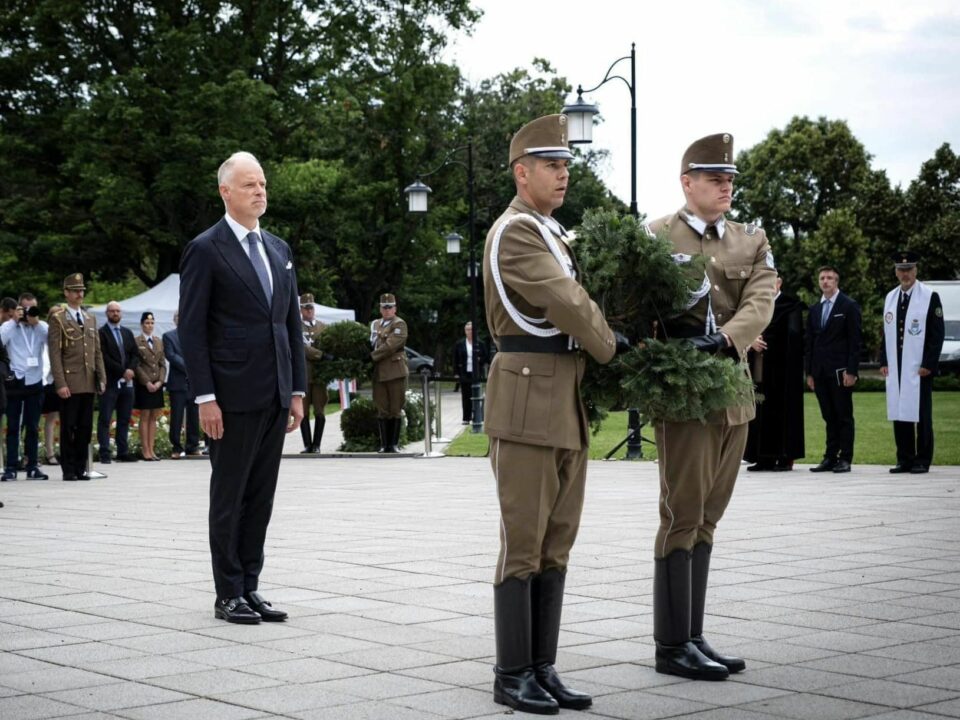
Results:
x,y
843,594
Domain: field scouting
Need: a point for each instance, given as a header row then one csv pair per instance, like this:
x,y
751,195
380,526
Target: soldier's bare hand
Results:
x,y
63,392
923,372
296,413
810,383
885,371
849,380
759,345
211,419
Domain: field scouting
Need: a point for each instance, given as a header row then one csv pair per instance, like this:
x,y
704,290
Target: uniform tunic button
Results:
x,y
743,273
713,259
716,287
525,371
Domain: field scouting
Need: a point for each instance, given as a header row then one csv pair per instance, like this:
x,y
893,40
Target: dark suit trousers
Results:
x,y
836,407
76,429
466,397
915,440
244,477
181,404
121,399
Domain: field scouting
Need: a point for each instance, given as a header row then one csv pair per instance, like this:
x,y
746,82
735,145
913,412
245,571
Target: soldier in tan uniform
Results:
x,y
316,391
389,338
699,464
541,318
78,373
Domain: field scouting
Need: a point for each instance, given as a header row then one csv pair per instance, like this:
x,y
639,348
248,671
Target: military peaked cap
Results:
x,y
544,137
713,153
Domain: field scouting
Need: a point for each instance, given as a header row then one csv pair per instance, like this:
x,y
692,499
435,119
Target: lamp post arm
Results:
x,y
447,161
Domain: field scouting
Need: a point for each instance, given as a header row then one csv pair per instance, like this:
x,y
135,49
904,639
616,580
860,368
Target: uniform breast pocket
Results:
x,y
531,377
738,272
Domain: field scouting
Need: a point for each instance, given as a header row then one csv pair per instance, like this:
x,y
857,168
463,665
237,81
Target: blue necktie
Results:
x,y
116,334
827,304
259,267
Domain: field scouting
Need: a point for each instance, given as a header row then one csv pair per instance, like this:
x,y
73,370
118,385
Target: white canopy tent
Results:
x,y
162,300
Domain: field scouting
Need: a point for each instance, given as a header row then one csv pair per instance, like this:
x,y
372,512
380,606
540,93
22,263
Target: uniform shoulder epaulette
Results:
x,y
56,310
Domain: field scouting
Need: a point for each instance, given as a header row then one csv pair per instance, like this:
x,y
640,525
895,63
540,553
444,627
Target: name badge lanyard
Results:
x,y
32,360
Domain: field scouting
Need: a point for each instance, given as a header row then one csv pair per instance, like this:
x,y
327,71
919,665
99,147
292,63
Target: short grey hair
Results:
x,y
226,169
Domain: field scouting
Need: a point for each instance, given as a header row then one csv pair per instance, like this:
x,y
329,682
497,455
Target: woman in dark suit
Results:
x,y
148,393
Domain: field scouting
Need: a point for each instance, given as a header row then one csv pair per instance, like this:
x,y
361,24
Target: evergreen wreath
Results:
x,y
346,349
633,277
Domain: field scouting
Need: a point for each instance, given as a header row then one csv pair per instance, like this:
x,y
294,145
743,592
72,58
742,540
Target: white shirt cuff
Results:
x,y
201,399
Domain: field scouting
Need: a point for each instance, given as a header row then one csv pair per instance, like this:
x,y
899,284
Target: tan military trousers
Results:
x,y
317,397
389,396
698,469
541,497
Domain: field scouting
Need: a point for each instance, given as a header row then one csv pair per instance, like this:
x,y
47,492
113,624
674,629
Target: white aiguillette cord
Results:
x,y
525,322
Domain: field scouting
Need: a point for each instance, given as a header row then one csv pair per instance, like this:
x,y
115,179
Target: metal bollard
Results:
x,y
90,471
438,401
428,451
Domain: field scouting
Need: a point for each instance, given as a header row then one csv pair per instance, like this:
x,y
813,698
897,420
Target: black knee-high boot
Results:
x,y
515,684
546,593
305,431
383,427
699,571
319,422
676,654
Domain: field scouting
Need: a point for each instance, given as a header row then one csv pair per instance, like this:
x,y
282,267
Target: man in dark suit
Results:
x,y
463,362
120,360
243,346
181,398
831,361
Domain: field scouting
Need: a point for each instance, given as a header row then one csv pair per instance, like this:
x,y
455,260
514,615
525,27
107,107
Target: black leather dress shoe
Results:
x,y
761,467
235,610
105,460
898,468
127,458
733,664
842,466
919,469
826,465
83,476
70,477
264,608
687,661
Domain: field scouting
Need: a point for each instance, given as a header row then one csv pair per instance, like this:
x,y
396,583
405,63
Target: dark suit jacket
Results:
x,y
111,353
176,366
460,358
234,344
836,345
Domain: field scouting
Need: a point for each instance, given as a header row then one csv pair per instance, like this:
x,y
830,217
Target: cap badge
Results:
x,y
726,139
726,157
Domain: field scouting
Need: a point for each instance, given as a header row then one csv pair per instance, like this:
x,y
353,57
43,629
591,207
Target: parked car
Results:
x,y
418,363
949,292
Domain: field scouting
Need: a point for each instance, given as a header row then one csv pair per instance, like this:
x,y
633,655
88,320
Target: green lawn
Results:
x,y
874,442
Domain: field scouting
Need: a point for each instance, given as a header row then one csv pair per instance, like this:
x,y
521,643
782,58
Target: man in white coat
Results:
x,y
912,339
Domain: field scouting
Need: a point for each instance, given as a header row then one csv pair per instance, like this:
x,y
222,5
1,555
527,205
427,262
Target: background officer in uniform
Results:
x,y
77,366
832,360
535,418
910,399
316,391
389,338
699,464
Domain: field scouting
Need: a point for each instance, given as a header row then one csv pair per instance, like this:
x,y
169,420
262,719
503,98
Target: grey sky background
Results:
x,y
890,68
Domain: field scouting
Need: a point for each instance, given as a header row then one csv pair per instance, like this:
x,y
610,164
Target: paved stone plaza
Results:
x,y
843,593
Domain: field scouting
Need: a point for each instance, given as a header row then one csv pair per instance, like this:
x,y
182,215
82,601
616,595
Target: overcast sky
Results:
x,y
890,68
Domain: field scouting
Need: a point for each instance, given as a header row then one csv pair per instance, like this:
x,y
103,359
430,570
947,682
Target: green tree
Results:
x,y
933,206
794,177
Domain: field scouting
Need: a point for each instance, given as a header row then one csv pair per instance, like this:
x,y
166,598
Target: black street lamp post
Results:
x,y
580,114
417,193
